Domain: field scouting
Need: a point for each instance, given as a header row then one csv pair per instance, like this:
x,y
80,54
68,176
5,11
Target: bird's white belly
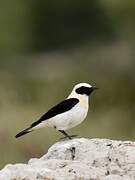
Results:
x,y
68,119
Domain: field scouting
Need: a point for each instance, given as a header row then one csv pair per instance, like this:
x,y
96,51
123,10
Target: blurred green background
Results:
x,y
46,47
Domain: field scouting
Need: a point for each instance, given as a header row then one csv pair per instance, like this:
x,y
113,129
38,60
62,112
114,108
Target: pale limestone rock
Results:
x,y
79,159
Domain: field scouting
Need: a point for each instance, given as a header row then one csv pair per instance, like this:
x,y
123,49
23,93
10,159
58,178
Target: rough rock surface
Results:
x,y
79,159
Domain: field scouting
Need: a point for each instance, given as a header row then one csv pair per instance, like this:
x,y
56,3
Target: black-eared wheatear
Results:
x,y
67,114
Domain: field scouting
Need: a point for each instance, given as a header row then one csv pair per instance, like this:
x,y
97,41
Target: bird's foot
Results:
x,y
72,136
68,137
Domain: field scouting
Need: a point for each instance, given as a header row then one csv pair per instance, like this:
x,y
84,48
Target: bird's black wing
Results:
x,y
60,108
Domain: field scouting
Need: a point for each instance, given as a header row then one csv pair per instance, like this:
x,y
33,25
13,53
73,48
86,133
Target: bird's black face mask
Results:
x,y
85,90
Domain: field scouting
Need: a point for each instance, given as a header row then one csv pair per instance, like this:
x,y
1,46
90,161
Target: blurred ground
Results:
x,y
43,54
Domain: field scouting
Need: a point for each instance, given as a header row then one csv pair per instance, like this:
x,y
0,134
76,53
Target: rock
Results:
x,y
79,159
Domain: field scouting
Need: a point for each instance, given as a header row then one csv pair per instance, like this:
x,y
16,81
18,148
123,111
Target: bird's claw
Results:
x,y
68,137
72,136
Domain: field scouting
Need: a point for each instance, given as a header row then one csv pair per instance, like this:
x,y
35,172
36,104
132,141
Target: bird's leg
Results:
x,y
66,135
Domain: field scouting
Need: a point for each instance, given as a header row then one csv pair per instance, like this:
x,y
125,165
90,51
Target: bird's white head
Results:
x,y
82,89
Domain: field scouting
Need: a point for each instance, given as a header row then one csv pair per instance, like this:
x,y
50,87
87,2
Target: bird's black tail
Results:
x,y
25,131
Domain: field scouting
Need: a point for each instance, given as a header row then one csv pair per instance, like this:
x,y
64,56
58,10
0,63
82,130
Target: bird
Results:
x,y
67,114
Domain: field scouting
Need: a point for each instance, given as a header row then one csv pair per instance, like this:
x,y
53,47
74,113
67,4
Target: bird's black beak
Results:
x,y
94,88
